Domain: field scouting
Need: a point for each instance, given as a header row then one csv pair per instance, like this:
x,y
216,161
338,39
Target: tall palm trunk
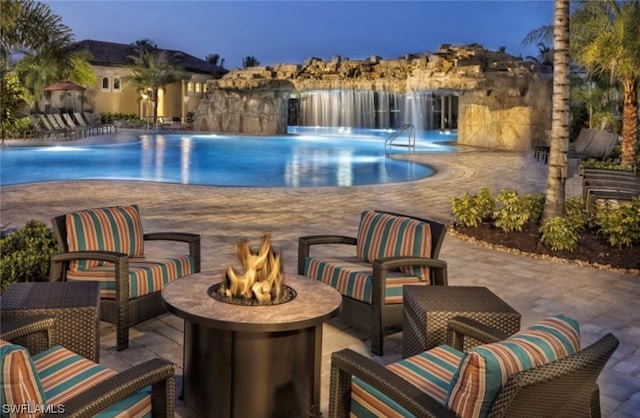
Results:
x,y
629,123
555,196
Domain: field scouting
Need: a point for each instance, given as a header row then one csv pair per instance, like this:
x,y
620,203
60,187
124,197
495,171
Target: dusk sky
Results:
x,y
292,31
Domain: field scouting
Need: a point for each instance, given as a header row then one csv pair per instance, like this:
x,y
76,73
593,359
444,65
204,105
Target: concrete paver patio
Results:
x,y
602,301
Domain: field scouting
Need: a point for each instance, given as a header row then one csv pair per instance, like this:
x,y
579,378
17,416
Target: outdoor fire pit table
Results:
x,y
252,361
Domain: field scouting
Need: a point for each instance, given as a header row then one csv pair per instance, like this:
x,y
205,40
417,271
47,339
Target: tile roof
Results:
x,y
111,53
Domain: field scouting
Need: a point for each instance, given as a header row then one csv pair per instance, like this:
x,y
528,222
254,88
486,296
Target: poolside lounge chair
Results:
x,y
62,125
82,130
540,371
167,122
107,245
89,121
53,129
392,250
41,130
592,144
42,373
598,184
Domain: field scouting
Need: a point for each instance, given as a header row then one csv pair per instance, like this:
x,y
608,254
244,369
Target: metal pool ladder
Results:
x,y
410,130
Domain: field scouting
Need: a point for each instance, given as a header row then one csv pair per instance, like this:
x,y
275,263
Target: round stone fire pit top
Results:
x,y
315,302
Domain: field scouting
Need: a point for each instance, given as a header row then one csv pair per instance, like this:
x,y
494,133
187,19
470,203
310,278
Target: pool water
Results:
x,y
309,157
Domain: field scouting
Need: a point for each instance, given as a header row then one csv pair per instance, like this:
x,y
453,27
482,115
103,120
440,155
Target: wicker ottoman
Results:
x,y
427,309
74,305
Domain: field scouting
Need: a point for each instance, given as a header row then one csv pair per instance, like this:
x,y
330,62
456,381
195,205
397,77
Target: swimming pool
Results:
x,y
309,157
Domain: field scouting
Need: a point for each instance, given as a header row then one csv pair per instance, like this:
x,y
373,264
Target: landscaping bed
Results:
x,y
591,248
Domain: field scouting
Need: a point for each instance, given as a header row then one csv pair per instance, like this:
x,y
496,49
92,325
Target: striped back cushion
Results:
x,y
384,235
21,386
486,368
116,228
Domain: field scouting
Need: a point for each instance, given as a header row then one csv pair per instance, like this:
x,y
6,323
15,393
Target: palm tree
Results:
x,y
144,45
152,71
215,59
608,44
35,73
29,27
555,196
545,55
250,61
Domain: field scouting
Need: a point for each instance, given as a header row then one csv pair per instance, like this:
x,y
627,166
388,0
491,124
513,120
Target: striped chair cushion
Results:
x,y
383,235
486,368
116,228
65,374
431,371
21,386
352,277
146,275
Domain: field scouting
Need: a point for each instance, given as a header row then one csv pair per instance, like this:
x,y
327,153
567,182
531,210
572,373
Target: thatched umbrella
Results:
x,y
66,86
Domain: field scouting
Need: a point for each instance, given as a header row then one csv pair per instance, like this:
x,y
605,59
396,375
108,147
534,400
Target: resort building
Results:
x,y
111,63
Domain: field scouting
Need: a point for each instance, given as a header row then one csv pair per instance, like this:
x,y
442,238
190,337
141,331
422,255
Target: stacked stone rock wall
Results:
x,y
505,102
254,107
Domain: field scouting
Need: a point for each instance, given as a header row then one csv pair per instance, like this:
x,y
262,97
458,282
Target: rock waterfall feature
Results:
x,y
492,98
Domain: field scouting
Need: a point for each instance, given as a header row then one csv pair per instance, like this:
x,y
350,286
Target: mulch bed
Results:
x,y
591,247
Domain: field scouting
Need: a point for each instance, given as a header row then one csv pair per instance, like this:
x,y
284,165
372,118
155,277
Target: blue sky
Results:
x,y
292,31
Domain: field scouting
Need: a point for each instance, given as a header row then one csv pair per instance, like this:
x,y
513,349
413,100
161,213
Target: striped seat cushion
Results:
x,y
117,228
383,235
146,275
21,386
352,277
65,374
431,371
486,368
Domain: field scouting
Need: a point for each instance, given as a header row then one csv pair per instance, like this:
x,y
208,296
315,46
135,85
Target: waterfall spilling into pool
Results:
x,y
371,109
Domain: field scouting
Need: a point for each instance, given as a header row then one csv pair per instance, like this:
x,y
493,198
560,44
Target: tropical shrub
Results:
x,y
535,203
110,117
486,203
560,234
25,253
471,211
576,211
465,211
606,164
620,225
512,212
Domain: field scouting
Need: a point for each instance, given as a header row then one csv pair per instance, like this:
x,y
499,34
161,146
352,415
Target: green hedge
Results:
x,y
25,254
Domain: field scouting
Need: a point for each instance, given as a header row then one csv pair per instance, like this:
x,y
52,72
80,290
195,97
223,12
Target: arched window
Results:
x,y
198,87
106,84
116,84
190,87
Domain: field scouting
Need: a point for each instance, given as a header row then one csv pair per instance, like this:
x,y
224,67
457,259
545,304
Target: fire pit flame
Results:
x,y
262,279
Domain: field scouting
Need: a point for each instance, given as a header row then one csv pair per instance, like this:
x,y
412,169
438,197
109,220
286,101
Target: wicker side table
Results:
x,y
427,309
74,305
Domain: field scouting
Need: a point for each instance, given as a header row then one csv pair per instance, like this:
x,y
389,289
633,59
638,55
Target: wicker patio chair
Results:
x,y
392,250
131,281
564,387
81,387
